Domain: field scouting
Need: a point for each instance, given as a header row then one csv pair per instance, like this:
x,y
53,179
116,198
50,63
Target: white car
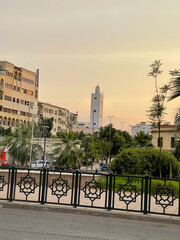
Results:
x,y
39,164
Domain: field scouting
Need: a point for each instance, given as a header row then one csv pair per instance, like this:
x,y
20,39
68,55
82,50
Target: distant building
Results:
x,y
146,128
168,137
96,117
62,117
18,95
82,127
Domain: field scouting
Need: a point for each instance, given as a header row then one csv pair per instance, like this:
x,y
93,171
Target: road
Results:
x,y
17,224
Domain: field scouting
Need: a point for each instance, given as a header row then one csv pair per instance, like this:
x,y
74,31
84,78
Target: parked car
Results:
x,y
104,167
5,163
39,164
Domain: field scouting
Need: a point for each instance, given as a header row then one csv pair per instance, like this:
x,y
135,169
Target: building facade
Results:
x,y
168,137
62,118
146,128
96,116
18,95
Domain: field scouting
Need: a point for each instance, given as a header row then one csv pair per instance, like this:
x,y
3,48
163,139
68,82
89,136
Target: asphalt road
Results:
x,y
30,225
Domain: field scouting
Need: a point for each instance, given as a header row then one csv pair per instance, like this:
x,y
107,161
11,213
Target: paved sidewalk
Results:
x,y
93,212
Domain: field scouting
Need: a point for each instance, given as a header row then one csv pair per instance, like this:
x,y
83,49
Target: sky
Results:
x,y
78,44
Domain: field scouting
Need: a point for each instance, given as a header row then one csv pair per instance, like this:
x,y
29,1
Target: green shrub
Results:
x,y
140,161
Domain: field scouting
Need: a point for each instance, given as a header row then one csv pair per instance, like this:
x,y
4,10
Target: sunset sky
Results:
x,y
79,43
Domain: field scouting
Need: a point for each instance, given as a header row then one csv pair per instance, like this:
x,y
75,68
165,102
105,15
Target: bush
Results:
x,y
140,161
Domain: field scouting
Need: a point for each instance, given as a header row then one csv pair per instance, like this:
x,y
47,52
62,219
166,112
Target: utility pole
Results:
x,y
110,136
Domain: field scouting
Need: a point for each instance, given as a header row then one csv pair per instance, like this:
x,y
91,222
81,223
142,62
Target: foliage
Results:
x,y
6,131
68,150
46,122
177,150
135,181
119,139
175,93
20,147
141,161
142,139
157,110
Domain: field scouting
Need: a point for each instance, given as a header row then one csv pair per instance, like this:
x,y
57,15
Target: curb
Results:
x,y
93,212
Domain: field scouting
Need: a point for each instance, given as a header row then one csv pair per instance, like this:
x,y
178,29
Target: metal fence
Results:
x,y
96,190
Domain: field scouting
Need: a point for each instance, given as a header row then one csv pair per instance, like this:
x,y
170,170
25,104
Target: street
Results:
x,y
19,224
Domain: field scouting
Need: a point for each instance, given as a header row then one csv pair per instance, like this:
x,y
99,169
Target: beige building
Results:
x,y
168,137
18,94
63,119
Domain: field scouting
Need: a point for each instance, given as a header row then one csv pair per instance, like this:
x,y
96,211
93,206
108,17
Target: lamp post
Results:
x,y
44,133
110,135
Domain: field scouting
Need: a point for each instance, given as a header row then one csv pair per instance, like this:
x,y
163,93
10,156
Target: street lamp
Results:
x,y
110,135
44,133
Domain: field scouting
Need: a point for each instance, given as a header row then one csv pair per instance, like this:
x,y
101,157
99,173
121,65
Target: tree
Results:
x,y
68,150
116,139
157,110
175,93
46,122
140,161
143,140
177,150
21,147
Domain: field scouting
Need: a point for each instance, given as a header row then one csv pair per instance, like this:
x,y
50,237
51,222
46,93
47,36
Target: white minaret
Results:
x,y
96,109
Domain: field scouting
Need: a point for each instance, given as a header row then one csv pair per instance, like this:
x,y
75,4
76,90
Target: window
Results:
x,y
55,112
2,83
18,89
17,100
24,90
161,142
14,88
14,100
55,120
172,142
22,101
30,92
95,98
8,98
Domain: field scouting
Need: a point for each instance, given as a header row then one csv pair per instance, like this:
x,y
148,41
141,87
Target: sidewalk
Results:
x,y
93,212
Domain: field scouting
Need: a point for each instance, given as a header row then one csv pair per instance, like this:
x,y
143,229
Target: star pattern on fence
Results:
x,y
2,183
27,185
59,187
127,193
165,196
93,190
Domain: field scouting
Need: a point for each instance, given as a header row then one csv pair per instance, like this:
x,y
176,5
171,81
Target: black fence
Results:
x,y
96,190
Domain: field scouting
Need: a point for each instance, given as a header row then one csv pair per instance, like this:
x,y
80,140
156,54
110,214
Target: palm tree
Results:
x,y
21,147
175,92
68,150
143,140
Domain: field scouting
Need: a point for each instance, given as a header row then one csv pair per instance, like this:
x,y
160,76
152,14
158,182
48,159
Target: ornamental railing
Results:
x,y
95,190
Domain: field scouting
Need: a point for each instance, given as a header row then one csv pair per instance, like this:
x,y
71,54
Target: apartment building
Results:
x,y
62,117
146,128
18,95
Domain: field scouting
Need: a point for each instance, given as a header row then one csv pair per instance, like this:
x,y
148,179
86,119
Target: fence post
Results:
x,y
43,185
146,193
110,191
76,189
12,184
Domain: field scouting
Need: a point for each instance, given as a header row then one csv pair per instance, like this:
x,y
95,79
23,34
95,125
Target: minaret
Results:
x,y
96,109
